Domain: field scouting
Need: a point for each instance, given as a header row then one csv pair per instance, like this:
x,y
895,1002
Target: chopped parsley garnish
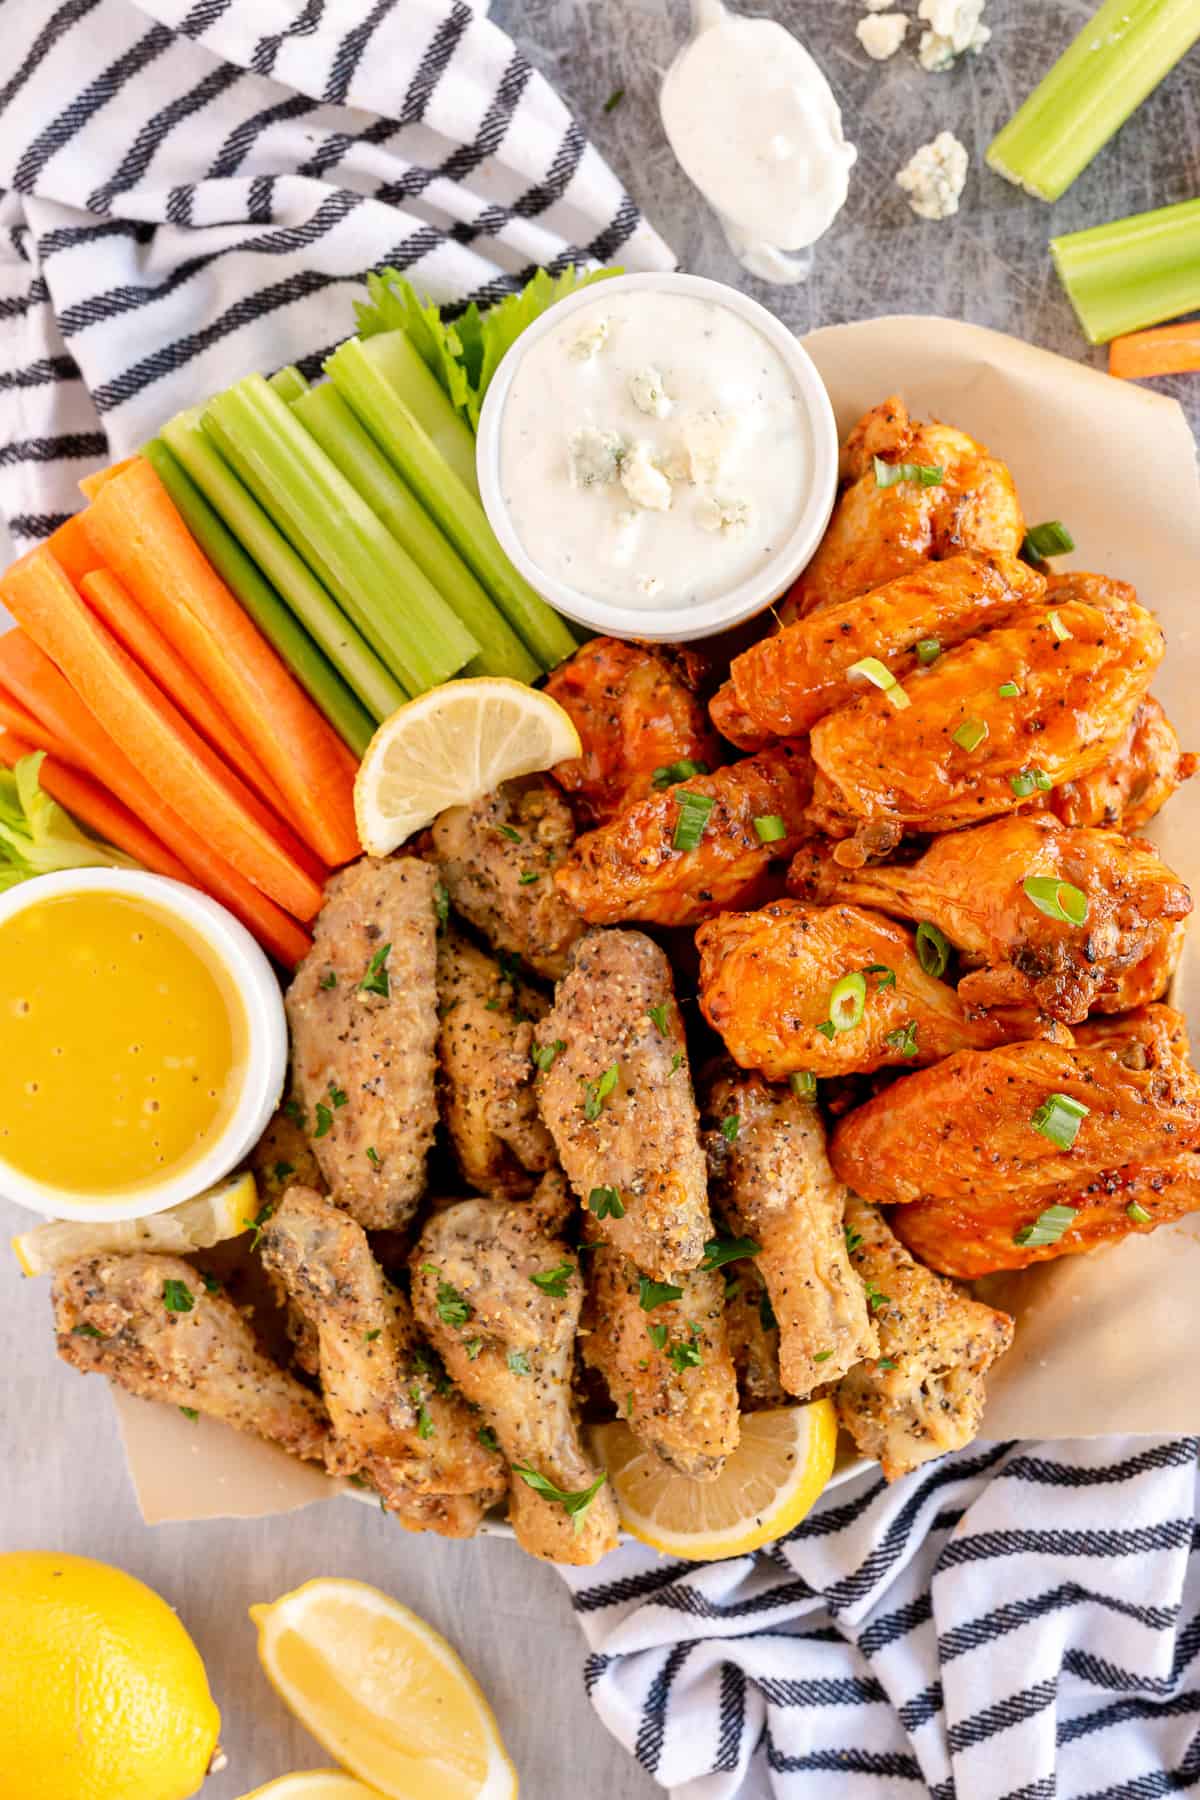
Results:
x,y
189,1412
488,1438
376,980
472,1347
667,774
658,1015
1047,1228
177,1296
282,1170
441,904
853,1238
1050,539
933,949
324,1120
518,1362
86,1330
597,1092
676,1062
328,980
656,1293
544,1055
450,1305
822,1355
730,1126
574,1504
528,877
885,1362
693,817
657,1335
370,1336
719,1251
337,1095
255,1225
295,1112
875,1297
554,1281
424,1422
614,100
685,1355
211,1284
373,1156
514,837
1059,1118
903,1039
605,1203
766,1313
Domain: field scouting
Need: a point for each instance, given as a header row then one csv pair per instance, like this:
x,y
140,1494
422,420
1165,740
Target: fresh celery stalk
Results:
x,y
1118,58
258,538
288,382
316,675
393,354
323,412
1132,272
391,601
357,377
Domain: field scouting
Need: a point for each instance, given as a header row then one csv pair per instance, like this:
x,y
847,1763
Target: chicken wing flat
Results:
x,y
496,860
363,1015
784,683
770,1180
615,1090
1134,781
149,1324
391,1415
952,755
484,1045
667,1362
501,1302
924,1394
879,532
973,885
768,979
753,1333
650,863
638,712
967,1126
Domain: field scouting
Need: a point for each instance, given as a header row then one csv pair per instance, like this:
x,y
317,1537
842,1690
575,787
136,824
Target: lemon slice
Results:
x,y
448,747
221,1212
314,1784
383,1693
773,1478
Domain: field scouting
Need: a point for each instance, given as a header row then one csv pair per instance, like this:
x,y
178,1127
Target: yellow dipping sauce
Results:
x,y
123,1044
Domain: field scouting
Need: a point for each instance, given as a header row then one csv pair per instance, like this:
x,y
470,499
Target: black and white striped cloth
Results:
x,y
1016,1622
192,189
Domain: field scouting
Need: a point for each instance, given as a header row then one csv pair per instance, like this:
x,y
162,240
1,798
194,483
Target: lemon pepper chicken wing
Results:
x,y
952,755
767,983
1134,782
784,683
684,854
753,1333
637,711
667,1362
616,1093
484,1043
877,533
149,1323
966,1126
924,1394
500,1300
972,885
497,858
363,1015
770,1180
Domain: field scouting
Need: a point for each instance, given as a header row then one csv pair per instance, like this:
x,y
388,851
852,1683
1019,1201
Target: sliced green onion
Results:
x,y
1008,690
1048,1227
803,1084
903,1039
1050,539
1059,900
1061,633
1023,784
924,474
693,817
880,676
928,651
933,950
1059,1118
770,828
1119,57
848,1001
970,734
1134,272
669,773
1137,1213
887,977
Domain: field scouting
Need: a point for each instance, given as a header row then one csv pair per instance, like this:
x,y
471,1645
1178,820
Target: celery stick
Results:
x,y
359,381
319,679
322,618
1117,59
1132,272
323,412
405,368
398,610
288,382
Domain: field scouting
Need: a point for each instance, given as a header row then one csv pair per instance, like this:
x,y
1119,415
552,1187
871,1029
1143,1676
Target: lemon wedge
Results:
x,y
448,747
783,1461
383,1693
220,1212
314,1784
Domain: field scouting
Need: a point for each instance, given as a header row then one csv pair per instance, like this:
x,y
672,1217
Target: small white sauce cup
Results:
x,y
261,997
670,624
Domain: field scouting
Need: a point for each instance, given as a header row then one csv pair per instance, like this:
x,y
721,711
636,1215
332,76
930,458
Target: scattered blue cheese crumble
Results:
x,y
593,456
643,480
933,177
592,338
649,394
730,517
954,28
881,34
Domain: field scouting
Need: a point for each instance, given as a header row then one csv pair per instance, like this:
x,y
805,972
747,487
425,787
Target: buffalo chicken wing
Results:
x,y
1134,781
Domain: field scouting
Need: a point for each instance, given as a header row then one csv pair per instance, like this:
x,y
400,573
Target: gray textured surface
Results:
x,y
64,1484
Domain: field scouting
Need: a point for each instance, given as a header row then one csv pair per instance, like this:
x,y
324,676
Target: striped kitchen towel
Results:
x,y
1016,1622
192,189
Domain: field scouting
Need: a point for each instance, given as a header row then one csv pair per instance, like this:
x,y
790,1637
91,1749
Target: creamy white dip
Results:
x,y
653,450
755,125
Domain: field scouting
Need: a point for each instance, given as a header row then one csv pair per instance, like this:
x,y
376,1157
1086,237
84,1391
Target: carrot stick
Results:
x,y
73,548
63,720
90,485
152,733
136,529
18,723
150,649
1167,350
92,806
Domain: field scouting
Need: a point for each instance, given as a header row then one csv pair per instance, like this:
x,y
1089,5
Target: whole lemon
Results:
x,y
103,1694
